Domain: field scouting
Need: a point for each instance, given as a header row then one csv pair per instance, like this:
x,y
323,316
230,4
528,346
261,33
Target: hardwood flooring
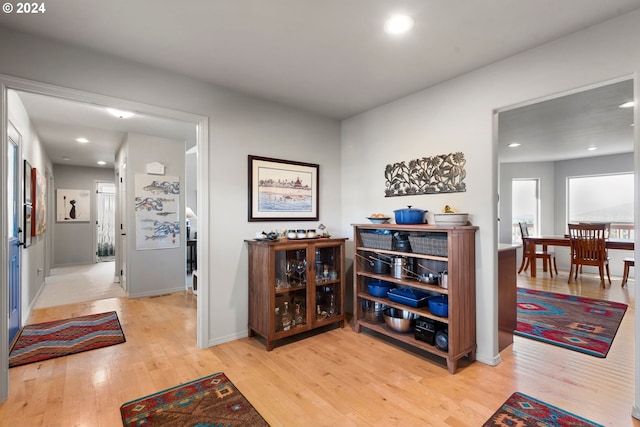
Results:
x,y
337,378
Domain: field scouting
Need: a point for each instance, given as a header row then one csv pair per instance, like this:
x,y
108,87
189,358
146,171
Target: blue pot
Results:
x,y
409,215
439,306
379,288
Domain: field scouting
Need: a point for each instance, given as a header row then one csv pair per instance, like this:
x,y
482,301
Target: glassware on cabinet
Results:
x,y
278,320
286,317
332,307
299,315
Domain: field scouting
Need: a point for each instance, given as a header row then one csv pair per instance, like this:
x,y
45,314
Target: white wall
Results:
x,y
158,271
458,116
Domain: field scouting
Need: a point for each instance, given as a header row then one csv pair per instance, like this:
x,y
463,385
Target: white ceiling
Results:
x,y
326,56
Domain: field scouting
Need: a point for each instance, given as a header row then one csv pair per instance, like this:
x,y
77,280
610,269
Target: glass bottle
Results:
x,y
286,317
299,316
332,307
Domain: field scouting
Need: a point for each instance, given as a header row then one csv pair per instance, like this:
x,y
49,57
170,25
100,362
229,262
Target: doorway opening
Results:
x,y
105,221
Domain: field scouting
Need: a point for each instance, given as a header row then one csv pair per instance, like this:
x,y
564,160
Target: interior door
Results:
x,y
13,217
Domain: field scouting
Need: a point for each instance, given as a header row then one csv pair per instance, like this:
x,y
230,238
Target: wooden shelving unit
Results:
x,y
461,290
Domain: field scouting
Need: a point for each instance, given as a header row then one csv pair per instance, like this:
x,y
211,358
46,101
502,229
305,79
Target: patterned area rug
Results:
x,y
582,324
208,402
49,340
521,410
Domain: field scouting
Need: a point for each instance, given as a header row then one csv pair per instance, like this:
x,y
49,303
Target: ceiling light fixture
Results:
x,y
82,140
513,145
120,113
66,158
592,148
627,104
398,24
101,162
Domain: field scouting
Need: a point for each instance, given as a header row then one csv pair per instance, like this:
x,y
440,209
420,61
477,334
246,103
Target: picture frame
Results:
x,y
283,190
73,205
27,203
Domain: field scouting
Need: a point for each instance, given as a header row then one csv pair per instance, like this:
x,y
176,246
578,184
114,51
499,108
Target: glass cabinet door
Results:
x,y
328,280
291,278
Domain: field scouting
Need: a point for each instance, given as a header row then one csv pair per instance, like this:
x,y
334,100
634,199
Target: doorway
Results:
x,y
13,217
105,221
201,132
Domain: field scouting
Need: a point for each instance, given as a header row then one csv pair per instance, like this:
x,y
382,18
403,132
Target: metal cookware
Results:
x,y
409,215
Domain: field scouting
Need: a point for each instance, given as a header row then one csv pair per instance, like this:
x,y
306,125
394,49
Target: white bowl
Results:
x,y
454,218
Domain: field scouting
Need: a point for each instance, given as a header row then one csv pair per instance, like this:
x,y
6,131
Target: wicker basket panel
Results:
x,y
429,245
377,241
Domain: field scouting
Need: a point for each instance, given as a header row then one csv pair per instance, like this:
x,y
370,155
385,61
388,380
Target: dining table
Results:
x,y
545,241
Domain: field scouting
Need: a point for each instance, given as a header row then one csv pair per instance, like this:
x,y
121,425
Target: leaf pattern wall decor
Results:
x,y
444,173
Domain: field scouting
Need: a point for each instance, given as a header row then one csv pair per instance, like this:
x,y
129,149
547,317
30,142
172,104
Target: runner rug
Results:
x,y
524,411
582,324
208,401
58,338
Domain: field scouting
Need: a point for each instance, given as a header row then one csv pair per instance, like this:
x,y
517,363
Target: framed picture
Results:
x,y
73,205
28,202
39,207
283,190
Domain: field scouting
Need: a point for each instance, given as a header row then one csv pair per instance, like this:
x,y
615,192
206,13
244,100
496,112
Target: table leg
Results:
x,y
532,259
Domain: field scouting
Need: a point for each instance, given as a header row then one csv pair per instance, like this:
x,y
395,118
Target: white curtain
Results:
x,y
106,219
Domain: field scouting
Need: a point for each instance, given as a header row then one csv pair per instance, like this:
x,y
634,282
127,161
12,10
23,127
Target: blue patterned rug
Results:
x,y
582,324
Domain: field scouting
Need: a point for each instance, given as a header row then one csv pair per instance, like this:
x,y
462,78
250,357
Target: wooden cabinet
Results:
x,y
304,277
437,248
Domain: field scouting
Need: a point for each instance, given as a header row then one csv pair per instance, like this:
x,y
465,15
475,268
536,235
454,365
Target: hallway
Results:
x,y
79,283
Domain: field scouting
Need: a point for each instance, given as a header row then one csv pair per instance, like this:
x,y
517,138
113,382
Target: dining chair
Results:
x,y
588,248
549,258
628,262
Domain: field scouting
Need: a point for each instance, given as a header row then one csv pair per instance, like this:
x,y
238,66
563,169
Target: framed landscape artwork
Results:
x,y
283,190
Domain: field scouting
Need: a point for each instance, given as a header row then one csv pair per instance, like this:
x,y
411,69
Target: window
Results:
x,y
603,198
524,207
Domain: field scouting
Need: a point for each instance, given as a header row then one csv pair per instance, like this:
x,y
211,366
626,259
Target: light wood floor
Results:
x,y
338,378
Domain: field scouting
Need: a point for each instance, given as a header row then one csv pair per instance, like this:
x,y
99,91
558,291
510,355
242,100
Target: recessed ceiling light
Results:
x,y
627,104
82,140
101,162
120,113
592,148
513,145
66,158
398,24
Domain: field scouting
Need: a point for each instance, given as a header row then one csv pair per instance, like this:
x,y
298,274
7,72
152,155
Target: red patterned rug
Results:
x,y
521,410
582,324
58,338
208,401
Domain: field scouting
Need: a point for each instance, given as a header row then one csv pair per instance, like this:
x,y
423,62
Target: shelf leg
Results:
x,y
452,365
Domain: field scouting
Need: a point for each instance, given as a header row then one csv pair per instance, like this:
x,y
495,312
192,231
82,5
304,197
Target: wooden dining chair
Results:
x,y
548,258
628,262
588,248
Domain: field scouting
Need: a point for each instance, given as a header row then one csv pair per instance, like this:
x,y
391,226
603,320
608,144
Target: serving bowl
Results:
x,y
379,220
439,305
451,218
399,320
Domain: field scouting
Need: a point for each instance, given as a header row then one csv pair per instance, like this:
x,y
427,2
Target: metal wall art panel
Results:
x,y
444,173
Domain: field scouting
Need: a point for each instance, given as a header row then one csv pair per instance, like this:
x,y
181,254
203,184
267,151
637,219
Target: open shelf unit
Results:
x,y
459,261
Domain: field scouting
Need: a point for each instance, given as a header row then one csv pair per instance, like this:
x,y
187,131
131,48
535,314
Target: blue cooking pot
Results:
x,y
409,215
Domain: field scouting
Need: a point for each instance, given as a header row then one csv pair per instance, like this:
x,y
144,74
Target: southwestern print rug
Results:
x,y
525,411
581,324
58,338
209,401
